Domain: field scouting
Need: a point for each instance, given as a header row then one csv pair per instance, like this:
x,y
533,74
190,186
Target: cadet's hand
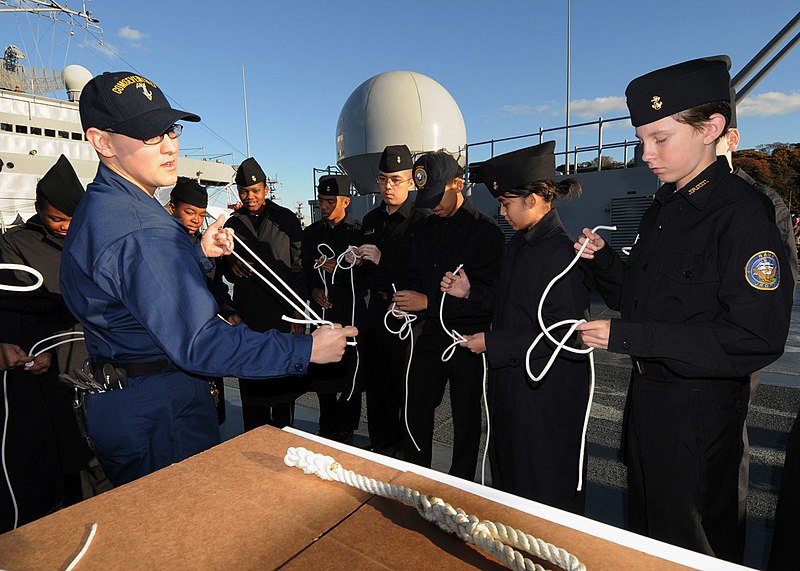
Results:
x,y
12,356
595,243
329,344
318,295
40,364
595,333
352,257
456,284
370,253
234,319
475,343
240,269
216,240
408,300
328,266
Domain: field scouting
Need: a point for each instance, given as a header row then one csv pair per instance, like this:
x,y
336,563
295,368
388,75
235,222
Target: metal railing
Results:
x,y
571,156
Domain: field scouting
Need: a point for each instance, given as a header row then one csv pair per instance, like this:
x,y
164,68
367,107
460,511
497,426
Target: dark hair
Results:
x,y
548,189
699,115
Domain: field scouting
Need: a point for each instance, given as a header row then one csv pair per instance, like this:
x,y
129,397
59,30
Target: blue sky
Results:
x,y
502,61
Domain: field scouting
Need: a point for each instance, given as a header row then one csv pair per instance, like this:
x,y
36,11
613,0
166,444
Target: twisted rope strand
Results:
x,y
502,542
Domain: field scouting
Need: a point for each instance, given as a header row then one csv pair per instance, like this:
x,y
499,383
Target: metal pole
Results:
x,y
566,144
246,124
765,51
600,143
744,91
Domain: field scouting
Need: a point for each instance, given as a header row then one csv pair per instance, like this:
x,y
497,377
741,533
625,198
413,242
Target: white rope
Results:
x,y
447,354
496,539
562,345
84,549
23,268
341,262
405,332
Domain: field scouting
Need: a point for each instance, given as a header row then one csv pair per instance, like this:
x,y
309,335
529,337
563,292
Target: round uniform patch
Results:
x,y
763,271
420,177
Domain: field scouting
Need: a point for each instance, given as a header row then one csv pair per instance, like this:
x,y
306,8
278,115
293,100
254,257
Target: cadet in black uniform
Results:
x,y
45,450
536,427
385,262
274,234
338,416
456,234
188,201
704,303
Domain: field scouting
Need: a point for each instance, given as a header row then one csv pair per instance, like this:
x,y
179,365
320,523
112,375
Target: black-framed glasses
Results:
x,y
391,180
173,132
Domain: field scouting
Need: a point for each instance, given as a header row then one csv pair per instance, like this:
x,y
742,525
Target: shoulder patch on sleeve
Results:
x,y
763,270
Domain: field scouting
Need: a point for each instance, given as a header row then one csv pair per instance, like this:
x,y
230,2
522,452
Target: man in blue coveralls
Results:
x,y
128,270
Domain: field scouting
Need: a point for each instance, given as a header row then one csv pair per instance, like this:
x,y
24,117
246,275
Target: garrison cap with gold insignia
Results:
x,y
673,89
189,191
249,173
60,187
395,158
127,103
432,172
512,170
334,185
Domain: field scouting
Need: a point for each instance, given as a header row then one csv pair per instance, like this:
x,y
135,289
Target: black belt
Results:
x,y
142,369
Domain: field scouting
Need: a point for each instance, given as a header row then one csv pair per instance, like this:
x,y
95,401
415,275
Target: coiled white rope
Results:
x,y
562,345
458,339
404,332
496,539
341,263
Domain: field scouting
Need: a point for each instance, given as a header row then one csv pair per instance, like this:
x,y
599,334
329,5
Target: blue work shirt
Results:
x,y
137,282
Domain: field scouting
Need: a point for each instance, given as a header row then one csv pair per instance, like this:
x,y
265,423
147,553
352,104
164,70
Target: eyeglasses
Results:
x,y
173,133
391,180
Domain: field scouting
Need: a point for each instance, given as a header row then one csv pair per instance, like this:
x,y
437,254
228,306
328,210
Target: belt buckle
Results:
x,y
638,366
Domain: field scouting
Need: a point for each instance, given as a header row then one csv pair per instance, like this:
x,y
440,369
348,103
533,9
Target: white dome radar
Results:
x,y
396,108
75,79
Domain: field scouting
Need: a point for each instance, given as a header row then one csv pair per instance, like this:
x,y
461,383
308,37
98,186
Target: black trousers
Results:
x,y
682,451
427,381
384,358
787,514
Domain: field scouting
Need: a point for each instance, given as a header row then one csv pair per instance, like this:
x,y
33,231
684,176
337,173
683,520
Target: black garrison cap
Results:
x,y
432,172
127,103
60,187
512,170
673,89
334,185
395,158
250,173
189,191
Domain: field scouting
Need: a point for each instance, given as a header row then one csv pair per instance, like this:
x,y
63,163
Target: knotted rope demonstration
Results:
x,y
342,262
449,351
405,332
562,345
502,542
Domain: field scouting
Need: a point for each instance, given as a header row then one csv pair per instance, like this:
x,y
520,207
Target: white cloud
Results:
x,y
769,104
132,34
597,107
517,109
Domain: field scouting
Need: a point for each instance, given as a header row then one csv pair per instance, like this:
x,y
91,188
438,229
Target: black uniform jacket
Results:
x,y
340,293
392,234
689,294
276,240
439,246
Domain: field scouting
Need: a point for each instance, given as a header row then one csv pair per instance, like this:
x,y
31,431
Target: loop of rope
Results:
x,y
405,332
498,540
561,344
23,268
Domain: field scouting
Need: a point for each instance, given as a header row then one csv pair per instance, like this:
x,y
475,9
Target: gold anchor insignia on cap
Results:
x,y
398,159
656,103
253,177
494,185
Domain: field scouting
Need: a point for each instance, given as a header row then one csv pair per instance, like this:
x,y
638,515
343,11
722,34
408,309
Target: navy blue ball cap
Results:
x,y
127,103
432,172
679,87
517,168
